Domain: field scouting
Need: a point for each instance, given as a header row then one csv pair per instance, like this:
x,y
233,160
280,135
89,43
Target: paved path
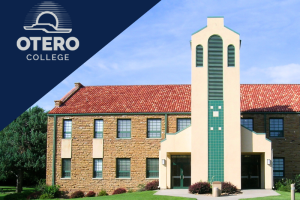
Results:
x,y
246,194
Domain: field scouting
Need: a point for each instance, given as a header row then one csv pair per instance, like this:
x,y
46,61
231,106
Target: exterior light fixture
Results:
x,y
268,161
163,161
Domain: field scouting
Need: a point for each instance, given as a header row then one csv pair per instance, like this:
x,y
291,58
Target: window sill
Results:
x,y
153,138
152,178
97,178
123,138
65,178
123,178
281,138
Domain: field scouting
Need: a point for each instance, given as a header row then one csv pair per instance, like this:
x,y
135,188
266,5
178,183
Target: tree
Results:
x,y
23,145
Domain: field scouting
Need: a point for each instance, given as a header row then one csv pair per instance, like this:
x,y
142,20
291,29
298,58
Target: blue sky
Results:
x,y
156,49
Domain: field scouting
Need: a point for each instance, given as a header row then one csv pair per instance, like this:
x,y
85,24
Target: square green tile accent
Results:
x,y
216,141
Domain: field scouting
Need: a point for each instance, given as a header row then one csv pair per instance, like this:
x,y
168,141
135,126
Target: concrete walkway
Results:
x,y
246,194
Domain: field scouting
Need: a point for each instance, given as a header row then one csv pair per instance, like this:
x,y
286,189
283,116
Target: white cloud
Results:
x,y
285,74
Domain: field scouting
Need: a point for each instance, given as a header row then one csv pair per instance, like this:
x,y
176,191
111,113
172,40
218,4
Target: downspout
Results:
x,y
54,151
265,121
166,125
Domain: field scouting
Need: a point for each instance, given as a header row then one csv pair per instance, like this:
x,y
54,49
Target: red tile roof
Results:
x,y
173,98
270,98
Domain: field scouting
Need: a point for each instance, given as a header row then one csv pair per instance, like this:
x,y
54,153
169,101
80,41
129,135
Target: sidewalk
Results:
x,y
246,194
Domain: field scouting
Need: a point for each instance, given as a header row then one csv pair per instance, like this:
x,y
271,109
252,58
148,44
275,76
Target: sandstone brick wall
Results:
x,y
288,146
138,148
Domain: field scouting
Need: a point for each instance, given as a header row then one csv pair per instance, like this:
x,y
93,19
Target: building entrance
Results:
x,y
180,171
251,172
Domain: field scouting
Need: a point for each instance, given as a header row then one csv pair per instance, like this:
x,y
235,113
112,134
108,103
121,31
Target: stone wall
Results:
x,y
288,146
138,148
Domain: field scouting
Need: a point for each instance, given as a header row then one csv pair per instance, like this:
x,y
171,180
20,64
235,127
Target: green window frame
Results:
x,y
199,56
215,68
66,168
154,128
276,127
278,167
98,166
67,133
248,123
182,123
123,168
98,131
231,56
152,168
124,128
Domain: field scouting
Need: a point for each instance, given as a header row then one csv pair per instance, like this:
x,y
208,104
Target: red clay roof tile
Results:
x,y
174,98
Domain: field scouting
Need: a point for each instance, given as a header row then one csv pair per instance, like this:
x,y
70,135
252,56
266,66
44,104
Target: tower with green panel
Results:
x,y
216,134
216,109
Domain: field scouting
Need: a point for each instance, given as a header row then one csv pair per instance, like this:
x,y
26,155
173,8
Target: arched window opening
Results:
x,y
199,56
231,56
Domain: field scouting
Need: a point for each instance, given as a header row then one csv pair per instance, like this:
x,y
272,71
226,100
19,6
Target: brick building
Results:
x,y
214,129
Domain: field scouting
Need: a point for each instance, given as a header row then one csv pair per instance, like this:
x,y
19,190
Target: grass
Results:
x,y
11,189
283,196
147,195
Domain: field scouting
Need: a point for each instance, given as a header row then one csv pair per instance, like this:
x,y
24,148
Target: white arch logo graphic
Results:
x,y
62,19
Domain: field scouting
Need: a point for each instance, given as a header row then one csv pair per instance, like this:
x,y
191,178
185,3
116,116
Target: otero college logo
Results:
x,y
51,19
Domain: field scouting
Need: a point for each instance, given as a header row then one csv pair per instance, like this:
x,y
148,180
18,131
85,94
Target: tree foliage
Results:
x,y
23,145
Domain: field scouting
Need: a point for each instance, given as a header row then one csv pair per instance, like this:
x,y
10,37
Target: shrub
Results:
x,y
200,188
17,196
52,190
229,188
34,195
130,191
141,188
102,193
77,194
90,194
119,191
46,196
153,185
41,184
297,183
284,185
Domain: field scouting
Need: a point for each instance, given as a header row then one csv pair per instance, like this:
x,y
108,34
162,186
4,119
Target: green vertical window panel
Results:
x,y
152,170
98,128
154,128
215,68
199,56
276,127
66,168
216,141
183,123
97,168
248,123
124,128
231,56
278,167
123,168
67,129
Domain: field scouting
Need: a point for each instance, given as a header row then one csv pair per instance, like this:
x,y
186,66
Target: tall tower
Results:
x,y
216,131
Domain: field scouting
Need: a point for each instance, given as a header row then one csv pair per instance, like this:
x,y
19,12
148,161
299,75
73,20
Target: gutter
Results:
x,y
54,151
91,114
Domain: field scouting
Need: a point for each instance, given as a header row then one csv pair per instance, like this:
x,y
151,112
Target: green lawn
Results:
x,y
147,195
11,189
283,196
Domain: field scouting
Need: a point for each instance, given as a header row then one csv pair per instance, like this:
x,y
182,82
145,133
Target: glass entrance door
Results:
x,y
250,171
181,171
